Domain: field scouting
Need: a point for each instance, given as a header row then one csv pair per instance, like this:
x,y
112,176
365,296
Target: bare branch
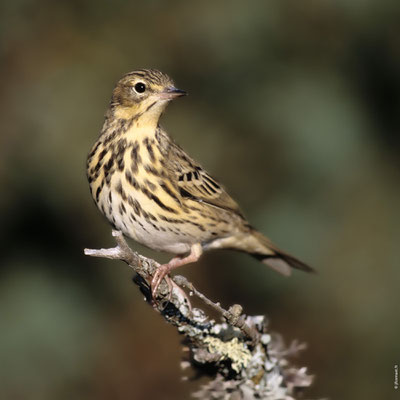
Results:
x,y
248,362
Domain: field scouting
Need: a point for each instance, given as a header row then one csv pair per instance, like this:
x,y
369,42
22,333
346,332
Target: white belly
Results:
x,y
160,237
145,233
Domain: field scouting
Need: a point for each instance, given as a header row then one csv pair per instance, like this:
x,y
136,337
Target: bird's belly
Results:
x,y
145,226
153,237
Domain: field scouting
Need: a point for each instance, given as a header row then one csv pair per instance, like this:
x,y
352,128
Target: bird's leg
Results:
x,y
163,270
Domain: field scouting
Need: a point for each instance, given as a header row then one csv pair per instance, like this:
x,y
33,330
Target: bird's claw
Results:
x,y
160,274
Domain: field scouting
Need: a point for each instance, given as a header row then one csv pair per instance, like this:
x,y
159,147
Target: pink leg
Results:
x,y
163,270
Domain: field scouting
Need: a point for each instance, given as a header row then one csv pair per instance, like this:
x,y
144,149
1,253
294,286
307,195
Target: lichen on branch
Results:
x,y
245,360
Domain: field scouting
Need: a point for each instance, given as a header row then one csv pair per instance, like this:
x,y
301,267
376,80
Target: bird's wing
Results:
x,y
195,183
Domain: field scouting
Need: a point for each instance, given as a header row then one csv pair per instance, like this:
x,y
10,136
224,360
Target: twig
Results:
x,y
248,362
233,316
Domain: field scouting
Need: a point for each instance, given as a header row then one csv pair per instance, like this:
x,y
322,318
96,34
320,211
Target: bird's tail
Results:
x,y
264,250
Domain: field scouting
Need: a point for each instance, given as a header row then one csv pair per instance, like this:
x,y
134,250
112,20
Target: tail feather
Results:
x,y
275,258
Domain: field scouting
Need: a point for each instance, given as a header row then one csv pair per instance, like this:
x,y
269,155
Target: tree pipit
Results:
x,y
155,193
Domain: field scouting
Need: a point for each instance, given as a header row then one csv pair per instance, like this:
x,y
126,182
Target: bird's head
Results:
x,y
144,92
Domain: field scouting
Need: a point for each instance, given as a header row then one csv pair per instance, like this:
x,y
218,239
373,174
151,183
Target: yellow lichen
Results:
x,y
233,350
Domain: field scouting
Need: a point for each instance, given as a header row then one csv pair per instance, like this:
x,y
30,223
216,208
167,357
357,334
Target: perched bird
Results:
x,y
155,193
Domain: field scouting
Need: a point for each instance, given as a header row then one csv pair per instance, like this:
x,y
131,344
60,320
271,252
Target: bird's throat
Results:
x,y
131,125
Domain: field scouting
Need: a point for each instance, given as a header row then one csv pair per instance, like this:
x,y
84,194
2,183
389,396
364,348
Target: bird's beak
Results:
x,y
171,93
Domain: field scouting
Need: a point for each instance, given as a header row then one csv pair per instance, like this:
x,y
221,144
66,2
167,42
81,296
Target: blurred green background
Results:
x,y
295,106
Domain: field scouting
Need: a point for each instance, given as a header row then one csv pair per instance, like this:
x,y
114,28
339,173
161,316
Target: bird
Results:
x,y
152,191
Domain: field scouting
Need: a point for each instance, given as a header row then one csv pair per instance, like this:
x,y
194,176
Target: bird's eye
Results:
x,y
140,87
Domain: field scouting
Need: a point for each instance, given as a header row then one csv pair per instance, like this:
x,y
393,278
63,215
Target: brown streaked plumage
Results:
x,y
152,191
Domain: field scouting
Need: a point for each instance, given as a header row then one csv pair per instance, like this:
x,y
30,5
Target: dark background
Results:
x,y
293,105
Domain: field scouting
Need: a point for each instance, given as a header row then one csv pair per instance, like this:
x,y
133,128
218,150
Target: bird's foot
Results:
x,y
162,273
